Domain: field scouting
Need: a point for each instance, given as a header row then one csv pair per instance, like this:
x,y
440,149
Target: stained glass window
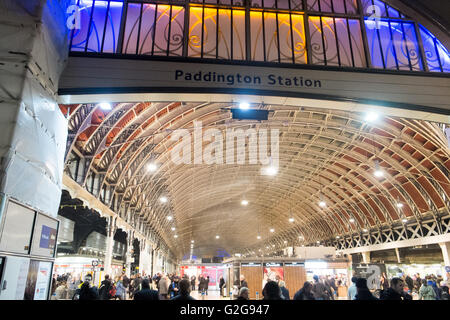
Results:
x,y
319,32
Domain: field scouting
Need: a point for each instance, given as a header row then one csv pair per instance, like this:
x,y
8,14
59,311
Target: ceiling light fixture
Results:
x,y
258,237
105,106
351,220
272,230
244,202
152,167
378,172
169,218
371,117
244,105
217,237
399,205
291,219
163,199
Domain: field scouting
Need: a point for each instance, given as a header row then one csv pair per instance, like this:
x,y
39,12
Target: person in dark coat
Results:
x,y
193,283
243,294
305,293
86,292
284,290
174,288
243,283
410,283
445,295
221,285
200,283
362,291
105,286
206,285
395,291
185,290
146,293
272,291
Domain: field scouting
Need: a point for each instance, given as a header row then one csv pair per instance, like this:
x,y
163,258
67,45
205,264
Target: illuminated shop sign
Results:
x,y
269,264
294,264
238,78
251,264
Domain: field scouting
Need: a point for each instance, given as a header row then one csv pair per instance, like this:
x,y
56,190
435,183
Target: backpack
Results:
x,y
112,292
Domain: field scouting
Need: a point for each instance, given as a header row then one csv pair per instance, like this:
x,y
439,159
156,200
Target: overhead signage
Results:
x,y
231,79
294,264
273,264
251,264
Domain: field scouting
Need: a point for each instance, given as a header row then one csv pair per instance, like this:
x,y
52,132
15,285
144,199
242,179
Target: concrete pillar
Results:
x,y
445,247
366,256
33,130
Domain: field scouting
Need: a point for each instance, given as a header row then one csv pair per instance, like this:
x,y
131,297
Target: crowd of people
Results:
x,y
174,287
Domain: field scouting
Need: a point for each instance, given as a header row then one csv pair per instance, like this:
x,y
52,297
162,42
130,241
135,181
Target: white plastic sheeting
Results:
x,y
33,162
33,131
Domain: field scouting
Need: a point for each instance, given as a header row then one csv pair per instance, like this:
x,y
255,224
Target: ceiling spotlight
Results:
x,y
152,167
169,218
217,237
291,219
364,230
399,205
267,247
337,237
173,228
378,172
244,202
285,241
272,230
322,204
163,199
244,105
175,236
270,170
318,242
404,220
371,117
105,106
258,237
351,220
192,241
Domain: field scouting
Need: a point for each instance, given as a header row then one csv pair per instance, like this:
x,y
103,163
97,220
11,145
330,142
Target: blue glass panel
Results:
x,y
393,13
399,45
437,55
101,13
113,27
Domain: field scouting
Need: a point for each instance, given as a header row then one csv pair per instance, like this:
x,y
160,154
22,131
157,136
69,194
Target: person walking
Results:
x,y
272,291
351,292
193,283
243,294
163,287
362,291
395,291
284,290
104,289
305,293
242,283
221,285
184,292
206,285
146,293
319,290
86,291
426,291
121,291
174,287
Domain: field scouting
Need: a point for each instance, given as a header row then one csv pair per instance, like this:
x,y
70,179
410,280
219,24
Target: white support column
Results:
x,y
445,247
109,245
366,256
397,252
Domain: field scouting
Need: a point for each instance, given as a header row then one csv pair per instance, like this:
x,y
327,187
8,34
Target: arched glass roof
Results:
x,y
333,33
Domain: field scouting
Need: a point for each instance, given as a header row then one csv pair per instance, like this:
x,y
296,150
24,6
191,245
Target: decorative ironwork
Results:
x,y
320,32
